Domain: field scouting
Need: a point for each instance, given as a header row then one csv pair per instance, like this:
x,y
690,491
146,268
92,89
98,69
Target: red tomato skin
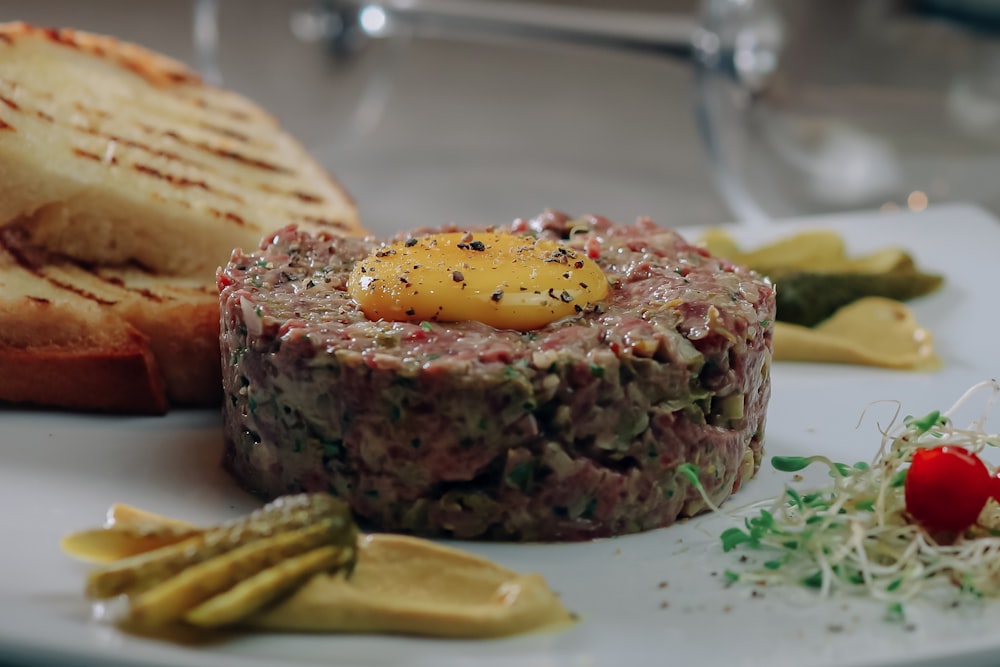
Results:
x,y
947,487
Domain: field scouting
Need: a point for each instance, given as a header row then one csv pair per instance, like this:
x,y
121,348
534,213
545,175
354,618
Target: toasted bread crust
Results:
x,y
187,352
120,380
158,69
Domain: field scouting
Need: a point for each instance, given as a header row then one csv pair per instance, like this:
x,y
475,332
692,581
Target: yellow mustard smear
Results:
x,y
501,279
406,585
873,331
399,585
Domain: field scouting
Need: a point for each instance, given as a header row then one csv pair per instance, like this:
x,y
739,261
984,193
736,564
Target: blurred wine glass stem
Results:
x,y
737,51
737,40
650,32
708,112
206,39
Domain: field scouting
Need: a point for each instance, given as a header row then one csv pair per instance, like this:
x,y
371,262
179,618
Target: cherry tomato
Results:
x,y
947,487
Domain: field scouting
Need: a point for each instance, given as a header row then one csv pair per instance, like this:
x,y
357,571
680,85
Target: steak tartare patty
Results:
x,y
571,431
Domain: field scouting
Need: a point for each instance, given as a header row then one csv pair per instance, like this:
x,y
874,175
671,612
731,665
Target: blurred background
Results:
x,y
692,112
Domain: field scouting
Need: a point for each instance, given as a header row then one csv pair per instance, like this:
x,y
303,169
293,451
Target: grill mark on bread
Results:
x,y
247,160
10,242
220,152
120,284
226,132
184,182
86,154
14,85
179,181
179,138
91,111
142,69
170,155
94,156
158,152
307,197
205,147
4,125
25,262
79,291
38,299
326,222
149,129
228,215
236,114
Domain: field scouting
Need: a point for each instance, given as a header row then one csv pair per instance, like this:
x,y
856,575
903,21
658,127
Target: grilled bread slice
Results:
x,y
176,319
61,348
110,153
124,183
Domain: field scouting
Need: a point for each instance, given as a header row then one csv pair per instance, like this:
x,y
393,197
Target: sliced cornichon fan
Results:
x,y
808,298
816,277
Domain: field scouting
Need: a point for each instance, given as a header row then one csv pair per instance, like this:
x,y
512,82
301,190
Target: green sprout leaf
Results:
x,y
814,580
927,422
733,537
894,613
794,498
866,505
791,463
690,471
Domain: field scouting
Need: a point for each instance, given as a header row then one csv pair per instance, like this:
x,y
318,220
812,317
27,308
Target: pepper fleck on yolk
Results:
x,y
500,279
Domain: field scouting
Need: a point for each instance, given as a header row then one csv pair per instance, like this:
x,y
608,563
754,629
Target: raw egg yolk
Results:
x,y
500,279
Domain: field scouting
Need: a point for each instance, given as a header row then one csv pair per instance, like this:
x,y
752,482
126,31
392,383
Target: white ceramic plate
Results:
x,y
656,598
